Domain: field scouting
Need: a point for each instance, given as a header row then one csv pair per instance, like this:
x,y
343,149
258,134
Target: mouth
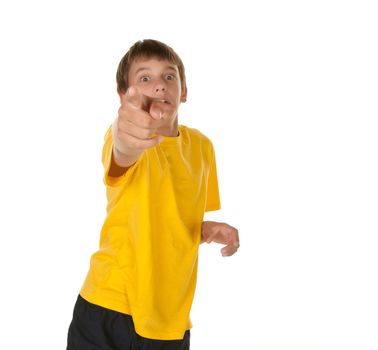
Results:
x,y
162,100
165,101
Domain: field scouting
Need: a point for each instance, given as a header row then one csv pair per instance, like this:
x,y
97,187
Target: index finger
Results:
x,y
135,98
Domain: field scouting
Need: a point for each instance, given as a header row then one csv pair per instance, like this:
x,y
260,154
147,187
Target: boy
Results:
x,y
160,178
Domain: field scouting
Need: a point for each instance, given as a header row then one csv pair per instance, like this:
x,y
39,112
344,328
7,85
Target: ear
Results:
x,y
184,94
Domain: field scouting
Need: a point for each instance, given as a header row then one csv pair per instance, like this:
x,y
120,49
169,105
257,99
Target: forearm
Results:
x,y
203,231
124,160
119,164
121,159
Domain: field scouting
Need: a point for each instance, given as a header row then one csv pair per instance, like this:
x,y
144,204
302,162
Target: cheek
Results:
x,y
144,88
131,80
176,91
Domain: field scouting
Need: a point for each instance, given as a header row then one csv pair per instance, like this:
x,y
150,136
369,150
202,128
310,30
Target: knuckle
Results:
x,y
121,111
119,134
146,134
121,125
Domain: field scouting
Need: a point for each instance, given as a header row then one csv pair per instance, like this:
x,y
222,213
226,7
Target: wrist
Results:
x,y
203,231
125,158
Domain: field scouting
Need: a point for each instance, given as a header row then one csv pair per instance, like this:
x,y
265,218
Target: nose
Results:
x,y
160,86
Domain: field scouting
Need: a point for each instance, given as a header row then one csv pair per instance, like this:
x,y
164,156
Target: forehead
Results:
x,y
151,64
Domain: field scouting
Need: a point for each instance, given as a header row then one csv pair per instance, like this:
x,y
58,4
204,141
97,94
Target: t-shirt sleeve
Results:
x,y
213,198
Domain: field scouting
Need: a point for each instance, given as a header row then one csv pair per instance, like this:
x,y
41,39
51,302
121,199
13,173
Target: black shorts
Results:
x,y
96,328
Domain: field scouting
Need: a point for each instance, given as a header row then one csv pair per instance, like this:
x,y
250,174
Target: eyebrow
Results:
x,y
148,68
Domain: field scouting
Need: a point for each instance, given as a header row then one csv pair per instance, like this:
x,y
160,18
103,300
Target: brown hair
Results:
x,y
147,48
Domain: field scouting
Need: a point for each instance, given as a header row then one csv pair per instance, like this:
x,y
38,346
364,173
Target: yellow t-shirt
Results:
x,y
147,262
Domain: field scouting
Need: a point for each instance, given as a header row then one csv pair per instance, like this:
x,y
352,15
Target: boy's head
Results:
x,y
145,50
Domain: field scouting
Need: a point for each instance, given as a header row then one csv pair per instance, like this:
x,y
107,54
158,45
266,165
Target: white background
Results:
x,y
287,91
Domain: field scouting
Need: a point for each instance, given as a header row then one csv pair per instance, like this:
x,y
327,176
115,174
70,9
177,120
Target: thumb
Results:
x,y
156,110
133,97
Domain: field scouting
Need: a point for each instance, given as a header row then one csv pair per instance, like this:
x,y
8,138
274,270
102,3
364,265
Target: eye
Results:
x,y
170,77
145,78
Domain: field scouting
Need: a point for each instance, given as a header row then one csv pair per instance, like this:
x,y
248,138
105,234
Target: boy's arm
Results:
x,y
120,163
133,131
222,233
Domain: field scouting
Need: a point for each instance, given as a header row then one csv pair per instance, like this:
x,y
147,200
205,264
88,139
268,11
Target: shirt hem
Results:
x,y
176,335
123,308
212,208
107,303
